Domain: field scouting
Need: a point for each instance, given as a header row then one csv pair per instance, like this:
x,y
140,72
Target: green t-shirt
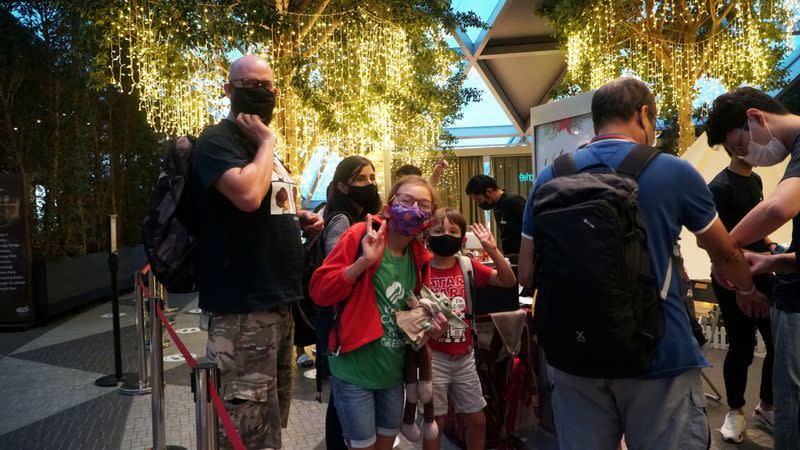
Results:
x,y
380,364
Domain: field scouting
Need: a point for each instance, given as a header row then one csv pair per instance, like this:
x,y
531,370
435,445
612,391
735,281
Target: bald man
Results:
x,y
250,255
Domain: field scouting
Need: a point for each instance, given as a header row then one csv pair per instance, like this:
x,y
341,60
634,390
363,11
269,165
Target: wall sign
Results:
x,y
16,300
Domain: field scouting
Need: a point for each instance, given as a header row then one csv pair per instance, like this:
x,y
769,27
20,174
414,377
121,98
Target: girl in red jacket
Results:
x,y
367,276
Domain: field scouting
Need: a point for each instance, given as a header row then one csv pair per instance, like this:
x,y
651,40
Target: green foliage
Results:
x,y
671,45
86,151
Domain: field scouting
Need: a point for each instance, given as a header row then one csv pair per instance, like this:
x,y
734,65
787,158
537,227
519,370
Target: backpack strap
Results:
x,y
637,160
471,293
564,165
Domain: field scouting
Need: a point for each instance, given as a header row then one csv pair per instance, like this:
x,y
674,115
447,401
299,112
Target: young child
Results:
x,y
368,351
453,362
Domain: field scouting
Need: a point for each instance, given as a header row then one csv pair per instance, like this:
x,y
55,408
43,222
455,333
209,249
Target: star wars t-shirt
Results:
x,y
450,282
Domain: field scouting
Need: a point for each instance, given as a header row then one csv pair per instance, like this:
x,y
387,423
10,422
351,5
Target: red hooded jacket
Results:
x,y
360,322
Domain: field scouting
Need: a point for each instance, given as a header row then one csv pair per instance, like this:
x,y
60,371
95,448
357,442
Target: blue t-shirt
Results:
x,y
672,194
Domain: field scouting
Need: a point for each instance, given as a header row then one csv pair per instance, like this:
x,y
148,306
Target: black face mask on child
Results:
x,y
444,245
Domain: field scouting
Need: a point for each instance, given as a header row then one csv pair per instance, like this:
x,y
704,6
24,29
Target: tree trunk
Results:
x,y
685,125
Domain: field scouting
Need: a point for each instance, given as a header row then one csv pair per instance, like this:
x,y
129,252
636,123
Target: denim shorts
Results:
x,y
366,413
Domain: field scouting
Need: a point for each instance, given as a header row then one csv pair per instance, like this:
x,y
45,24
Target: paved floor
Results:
x,y
50,401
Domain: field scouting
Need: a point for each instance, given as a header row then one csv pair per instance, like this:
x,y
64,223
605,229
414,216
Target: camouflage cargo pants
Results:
x,y
254,355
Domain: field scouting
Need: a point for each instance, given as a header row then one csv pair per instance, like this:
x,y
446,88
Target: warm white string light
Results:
x,y
652,43
357,65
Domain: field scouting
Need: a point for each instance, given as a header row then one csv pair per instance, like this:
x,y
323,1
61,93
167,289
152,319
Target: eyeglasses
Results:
x,y
409,200
251,83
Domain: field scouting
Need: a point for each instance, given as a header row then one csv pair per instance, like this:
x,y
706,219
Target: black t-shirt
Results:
x,y
248,261
508,212
787,285
734,196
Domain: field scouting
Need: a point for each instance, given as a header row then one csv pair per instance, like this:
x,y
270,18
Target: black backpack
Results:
x,y
169,241
598,311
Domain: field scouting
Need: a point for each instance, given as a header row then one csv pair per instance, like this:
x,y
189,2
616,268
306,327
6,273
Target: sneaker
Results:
x,y
733,428
304,361
764,418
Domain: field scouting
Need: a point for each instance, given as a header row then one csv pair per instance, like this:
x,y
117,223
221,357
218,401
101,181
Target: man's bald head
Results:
x,y
250,67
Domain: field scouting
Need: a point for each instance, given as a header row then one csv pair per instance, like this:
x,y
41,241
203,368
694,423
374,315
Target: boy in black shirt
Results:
x,y
737,190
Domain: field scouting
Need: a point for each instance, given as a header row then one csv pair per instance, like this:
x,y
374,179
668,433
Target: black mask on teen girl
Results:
x,y
366,197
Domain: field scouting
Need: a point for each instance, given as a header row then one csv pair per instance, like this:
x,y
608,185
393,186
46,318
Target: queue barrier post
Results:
x,y
157,376
206,418
141,384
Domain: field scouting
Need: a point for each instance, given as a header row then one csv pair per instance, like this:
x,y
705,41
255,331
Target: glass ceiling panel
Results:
x,y
486,111
483,9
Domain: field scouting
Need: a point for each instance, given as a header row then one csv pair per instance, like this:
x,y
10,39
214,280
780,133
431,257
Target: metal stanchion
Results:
x,y
205,415
157,377
142,383
117,377
156,291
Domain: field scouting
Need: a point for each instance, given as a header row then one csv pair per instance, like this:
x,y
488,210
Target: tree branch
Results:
x,y
328,32
718,19
313,20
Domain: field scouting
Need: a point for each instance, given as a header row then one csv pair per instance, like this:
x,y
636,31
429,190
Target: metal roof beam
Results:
x,y
486,34
464,42
514,51
483,132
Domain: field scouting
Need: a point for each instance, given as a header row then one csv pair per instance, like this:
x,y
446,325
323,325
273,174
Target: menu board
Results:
x,y
15,253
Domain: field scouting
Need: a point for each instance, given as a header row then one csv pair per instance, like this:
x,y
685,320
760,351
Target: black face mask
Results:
x,y
486,204
444,245
259,101
366,197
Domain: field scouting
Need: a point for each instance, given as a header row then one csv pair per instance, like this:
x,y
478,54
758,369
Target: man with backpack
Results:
x,y
250,255
603,224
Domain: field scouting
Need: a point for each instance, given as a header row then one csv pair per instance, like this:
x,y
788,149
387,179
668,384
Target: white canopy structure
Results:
x,y
709,162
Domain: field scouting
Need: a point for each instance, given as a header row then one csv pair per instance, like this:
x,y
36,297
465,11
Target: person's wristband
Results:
x,y
748,292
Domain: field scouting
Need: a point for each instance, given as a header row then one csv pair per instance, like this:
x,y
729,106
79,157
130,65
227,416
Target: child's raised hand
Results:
x,y
484,236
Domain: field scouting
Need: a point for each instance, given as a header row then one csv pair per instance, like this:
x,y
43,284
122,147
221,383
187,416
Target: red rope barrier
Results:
x,y
175,340
140,281
227,423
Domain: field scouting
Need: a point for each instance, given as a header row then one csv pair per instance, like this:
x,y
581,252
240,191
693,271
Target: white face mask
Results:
x,y
759,155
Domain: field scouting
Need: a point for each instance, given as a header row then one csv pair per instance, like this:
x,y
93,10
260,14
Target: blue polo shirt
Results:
x,y
672,194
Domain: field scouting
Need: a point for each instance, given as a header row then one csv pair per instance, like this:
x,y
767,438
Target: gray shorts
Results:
x,y
457,376
658,414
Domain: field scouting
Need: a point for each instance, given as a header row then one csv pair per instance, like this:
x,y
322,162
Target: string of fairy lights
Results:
x,y
344,96
615,41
